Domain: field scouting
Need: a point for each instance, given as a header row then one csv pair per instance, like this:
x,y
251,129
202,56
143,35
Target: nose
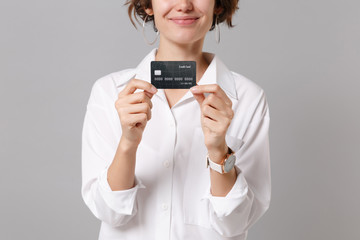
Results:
x,y
184,5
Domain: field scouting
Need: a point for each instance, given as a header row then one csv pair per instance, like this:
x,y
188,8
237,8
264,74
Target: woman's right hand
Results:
x,y
134,109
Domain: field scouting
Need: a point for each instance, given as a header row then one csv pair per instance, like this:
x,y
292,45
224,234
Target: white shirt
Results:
x,y
172,199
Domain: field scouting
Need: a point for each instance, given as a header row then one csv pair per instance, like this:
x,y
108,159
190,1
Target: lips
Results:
x,y
184,20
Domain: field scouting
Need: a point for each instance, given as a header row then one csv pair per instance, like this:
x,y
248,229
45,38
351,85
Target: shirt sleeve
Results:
x,y
99,145
249,197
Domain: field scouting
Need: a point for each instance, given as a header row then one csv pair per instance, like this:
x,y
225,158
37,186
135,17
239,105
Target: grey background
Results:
x,y
305,54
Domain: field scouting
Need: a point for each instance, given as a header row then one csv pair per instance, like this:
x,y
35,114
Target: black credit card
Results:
x,y
173,74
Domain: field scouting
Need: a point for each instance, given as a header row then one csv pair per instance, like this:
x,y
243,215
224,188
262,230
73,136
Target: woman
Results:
x,y
177,163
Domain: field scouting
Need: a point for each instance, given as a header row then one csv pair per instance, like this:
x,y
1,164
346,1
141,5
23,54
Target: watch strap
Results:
x,y
218,167
213,165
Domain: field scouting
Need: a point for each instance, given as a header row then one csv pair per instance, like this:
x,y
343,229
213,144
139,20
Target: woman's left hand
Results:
x,y
216,116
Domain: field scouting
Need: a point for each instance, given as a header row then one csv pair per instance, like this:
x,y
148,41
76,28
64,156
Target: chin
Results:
x,y
185,39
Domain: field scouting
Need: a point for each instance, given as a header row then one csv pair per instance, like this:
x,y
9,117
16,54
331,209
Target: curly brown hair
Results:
x,y
227,9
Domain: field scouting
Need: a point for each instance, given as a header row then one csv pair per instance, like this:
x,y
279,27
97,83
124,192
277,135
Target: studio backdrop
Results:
x,y
304,54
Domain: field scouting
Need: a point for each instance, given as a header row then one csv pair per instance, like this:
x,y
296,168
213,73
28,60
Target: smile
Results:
x,y
184,20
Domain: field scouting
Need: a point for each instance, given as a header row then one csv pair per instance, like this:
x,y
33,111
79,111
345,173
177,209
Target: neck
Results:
x,y
170,51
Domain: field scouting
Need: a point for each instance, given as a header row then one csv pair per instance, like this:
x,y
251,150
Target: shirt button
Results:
x,y
164,206
171,124
166,164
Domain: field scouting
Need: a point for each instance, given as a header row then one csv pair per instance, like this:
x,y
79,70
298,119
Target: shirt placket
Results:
x,y
169,129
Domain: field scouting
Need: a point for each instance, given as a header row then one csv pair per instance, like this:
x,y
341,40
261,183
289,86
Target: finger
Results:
x,y
212,113
210,123
140,108
136,120
138,84
218,103
214,126
215,102
199,98
212,88
140,97
123,103
220,117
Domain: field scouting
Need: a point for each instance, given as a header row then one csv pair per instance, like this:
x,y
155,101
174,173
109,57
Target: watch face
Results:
x,y
229,164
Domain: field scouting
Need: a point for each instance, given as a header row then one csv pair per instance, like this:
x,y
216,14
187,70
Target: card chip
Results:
x,y
157,72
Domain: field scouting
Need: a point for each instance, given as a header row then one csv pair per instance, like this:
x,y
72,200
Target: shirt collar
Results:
x,y
216,72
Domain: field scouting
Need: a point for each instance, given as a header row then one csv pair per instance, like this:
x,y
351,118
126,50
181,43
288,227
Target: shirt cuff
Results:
x,y
224,206
122,201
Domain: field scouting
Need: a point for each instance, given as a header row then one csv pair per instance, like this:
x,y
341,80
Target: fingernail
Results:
x,y
194,89
153,89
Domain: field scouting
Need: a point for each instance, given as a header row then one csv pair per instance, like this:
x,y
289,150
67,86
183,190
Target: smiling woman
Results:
x,y
145,149
227,7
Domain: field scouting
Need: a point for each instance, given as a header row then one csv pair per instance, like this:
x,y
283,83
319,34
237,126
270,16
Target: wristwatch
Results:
x,y
225,165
